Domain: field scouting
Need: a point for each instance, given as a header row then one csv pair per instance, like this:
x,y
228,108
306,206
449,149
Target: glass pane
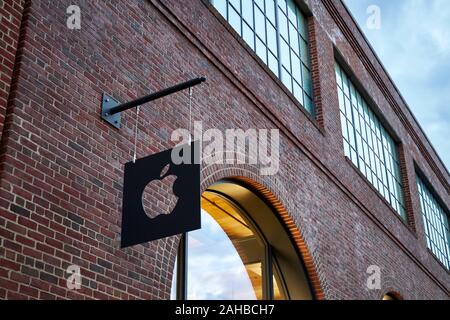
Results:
x,y
338,76
344,127
247,12
224,256
298,93
273,63
286,79
351,134
353,93
296,68
234,19
291,8
248,36
341,101
293,38
272,38
221,6
260,24
236,4
353,156
282,5
173,288
261,50
346,149
302,26
284,47
260,3
307,86
308,104
304,49
346,87
270,10
278,290
283,25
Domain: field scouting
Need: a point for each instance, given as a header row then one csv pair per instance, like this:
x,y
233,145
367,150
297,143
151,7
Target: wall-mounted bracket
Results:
x,y
107,104
111,109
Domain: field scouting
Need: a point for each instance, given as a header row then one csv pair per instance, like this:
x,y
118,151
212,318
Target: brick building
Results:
x,y
360,189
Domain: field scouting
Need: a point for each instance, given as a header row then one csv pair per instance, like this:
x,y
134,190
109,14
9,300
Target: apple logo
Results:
x,y
159,196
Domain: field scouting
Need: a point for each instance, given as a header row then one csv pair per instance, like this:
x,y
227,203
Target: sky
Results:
x,y
413,43
207,278
227,279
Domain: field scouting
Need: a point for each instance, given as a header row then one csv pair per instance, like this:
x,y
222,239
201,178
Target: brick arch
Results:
x,y
252,179
391,286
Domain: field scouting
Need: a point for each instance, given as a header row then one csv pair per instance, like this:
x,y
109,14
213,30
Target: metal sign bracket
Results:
x,y
111,109
107,104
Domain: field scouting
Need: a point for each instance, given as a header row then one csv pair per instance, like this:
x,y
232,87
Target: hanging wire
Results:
x,y
190,114
135,134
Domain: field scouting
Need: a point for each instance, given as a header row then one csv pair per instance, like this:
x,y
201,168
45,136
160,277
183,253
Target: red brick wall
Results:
x,y
61,165
10,21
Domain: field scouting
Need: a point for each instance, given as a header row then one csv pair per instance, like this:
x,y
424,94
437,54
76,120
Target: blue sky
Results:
x,y
413,43
207,278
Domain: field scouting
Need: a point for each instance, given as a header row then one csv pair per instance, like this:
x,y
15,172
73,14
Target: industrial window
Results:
x,y
277,31
367,143
436,223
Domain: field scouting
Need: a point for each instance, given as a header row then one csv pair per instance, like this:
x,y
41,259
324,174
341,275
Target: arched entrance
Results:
x,y
242,251
392,295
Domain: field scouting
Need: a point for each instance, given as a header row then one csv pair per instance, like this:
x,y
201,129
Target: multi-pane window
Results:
x,y
368,144
436,224
277,31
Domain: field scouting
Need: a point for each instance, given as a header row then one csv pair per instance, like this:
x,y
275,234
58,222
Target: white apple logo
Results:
x,y
158,197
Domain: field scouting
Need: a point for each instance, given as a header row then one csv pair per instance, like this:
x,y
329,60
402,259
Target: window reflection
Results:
x,y
278,290
173,288
215,270
225,258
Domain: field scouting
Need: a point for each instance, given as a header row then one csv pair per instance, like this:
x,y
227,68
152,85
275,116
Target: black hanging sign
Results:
x,y
170,204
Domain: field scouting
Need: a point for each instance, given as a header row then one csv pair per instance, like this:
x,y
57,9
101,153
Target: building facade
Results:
x,y
358,209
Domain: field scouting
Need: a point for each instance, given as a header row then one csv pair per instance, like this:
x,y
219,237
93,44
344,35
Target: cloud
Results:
x,y
215,268
414,45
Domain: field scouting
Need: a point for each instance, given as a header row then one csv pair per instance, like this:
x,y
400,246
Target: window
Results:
x,y
368,144
391,296
227,254
277,31
436,223
241,252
